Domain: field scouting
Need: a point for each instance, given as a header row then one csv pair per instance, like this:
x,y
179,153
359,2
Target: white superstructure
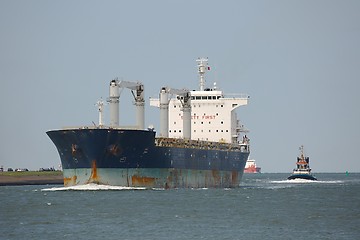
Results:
x,y
213,115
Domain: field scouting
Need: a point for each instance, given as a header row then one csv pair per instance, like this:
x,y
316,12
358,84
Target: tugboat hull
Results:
x,y
302,176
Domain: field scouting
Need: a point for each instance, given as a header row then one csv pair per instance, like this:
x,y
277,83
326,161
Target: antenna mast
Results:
x,y
100,105
202,68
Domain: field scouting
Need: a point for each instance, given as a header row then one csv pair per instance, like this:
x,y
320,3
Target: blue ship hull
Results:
x,y
302,176
131,158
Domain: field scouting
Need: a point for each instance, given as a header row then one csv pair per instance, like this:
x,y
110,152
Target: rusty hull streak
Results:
x,y
216,177
143,181
73,149
115,150
234,178
70,181
94,178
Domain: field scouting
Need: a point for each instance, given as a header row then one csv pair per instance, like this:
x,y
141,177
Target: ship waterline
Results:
x,y
153,177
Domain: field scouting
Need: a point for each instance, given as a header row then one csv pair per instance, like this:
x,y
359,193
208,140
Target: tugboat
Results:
x,y
251,167
303,170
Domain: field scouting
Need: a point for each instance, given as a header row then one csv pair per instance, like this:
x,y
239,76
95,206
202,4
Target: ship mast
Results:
x,y
202,68
100,105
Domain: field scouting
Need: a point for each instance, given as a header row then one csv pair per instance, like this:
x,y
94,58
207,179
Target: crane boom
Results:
x,y
137,90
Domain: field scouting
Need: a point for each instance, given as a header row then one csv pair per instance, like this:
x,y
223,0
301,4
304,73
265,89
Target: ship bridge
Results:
x,y
213,115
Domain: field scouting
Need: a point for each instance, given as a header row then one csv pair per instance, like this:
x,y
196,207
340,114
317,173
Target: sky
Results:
x,y
298,60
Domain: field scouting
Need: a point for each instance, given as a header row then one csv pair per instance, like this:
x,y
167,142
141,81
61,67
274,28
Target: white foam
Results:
x,y
91,187
298,180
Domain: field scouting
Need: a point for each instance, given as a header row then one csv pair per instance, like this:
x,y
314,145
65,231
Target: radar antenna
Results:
x,y
202,68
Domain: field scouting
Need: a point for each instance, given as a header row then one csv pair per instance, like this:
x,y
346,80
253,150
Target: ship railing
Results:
x,y
99,127
237,95
206,145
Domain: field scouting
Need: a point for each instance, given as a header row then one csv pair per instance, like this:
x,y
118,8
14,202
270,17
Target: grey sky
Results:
x,y
298,60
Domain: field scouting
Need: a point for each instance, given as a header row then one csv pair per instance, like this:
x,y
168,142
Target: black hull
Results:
x,y
302,176
131,158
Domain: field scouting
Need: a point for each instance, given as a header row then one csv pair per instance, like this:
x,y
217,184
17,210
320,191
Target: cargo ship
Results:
x,y
302,170
251,167
200,144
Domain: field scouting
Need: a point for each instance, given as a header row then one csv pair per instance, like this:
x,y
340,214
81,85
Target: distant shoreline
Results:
x,y
30,178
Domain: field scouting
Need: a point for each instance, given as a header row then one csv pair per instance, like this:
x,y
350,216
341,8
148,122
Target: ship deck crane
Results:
x,y
137,90
184,97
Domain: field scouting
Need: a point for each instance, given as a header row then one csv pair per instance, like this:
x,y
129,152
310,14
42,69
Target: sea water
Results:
x,y
266,206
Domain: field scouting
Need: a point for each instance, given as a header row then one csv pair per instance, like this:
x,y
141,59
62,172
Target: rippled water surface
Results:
x,y
266,206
